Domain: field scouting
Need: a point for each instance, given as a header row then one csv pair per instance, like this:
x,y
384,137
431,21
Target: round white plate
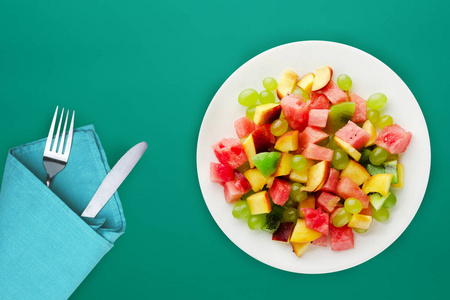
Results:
x,y
369,75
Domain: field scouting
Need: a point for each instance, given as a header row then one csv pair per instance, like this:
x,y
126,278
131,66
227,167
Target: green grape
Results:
x,y
342,218
390,201
332,143
256,222
250,112
279,127
385,120
270,84
365,153
340,159
381,215
248,97
266,97
378,156
358,230
300,92
241,210
295,193
324,142
289,203
298,162
376,101
344,82
290,214
353,206
374,116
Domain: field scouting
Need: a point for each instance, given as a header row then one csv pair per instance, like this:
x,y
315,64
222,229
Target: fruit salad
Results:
x,y
313,162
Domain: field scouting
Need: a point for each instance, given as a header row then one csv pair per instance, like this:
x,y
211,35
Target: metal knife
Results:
x,y
114,179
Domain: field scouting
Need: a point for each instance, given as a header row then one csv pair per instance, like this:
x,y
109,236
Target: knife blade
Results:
x,y
114,179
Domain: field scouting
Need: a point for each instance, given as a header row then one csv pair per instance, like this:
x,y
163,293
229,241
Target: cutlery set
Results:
x,y
56,156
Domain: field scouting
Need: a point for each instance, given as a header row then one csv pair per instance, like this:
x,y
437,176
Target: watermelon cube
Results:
x,y
221,173
295,111
319,101
242,180
341,238
233,191
318,117
347,188
244,126
315,152
332,181
322,241
334,93
353,135
230,152
309,135
394,139
279,191
360,114
327,201
316,220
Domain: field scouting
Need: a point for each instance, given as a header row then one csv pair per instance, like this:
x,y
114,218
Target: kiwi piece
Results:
x,y
339,116
390,167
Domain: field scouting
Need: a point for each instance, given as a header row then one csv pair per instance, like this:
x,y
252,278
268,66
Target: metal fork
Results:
x,y
55,154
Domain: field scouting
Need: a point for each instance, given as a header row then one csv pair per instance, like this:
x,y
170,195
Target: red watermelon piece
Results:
x,y
318,117
366,211
327,201
360,114
335,212
309,135
334,93
295,111
230,152
319,101
279,191
233,191
394,139
341,238
347,188
315,152
316,220
332,181
244,126
354,135
242,180
221,173
322,241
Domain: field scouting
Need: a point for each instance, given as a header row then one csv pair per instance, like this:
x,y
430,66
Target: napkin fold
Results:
x,y
46,248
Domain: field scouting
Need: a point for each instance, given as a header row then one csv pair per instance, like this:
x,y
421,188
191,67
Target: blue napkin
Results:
x,y
46,249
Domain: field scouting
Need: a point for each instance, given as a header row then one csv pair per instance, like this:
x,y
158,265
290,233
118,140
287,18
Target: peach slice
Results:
x,y
306,82
266,113
355,172
379,183
323,76
287,142
370,129
348,148
302,234
317,175
259,203
286,83
300,248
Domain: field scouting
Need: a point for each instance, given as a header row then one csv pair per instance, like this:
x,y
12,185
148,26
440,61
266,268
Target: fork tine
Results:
x,y
70,135
63,135
48,144
55,143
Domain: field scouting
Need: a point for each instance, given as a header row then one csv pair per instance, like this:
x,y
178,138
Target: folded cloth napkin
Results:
x,y
46,248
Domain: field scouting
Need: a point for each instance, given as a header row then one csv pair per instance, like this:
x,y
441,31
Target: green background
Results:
x,y
147,70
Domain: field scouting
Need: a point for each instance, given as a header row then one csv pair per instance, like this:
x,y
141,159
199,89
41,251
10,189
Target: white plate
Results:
x,y
369,75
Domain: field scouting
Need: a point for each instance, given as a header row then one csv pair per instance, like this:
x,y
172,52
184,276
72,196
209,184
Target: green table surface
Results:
x,y
147,70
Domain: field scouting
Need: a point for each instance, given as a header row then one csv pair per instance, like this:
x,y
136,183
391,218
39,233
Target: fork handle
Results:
x,y
49,180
